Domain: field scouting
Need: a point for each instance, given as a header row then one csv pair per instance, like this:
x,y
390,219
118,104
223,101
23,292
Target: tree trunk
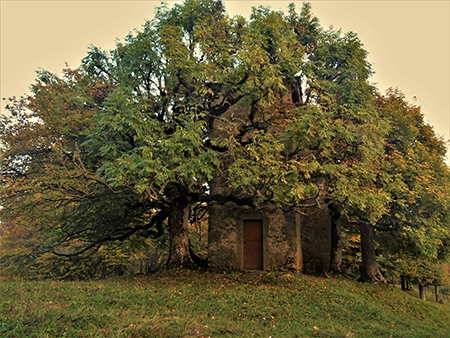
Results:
x,y
408,286
436,294
403,283
369,269
422,292
179,256
336,240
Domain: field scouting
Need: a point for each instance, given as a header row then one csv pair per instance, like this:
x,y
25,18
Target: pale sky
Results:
x,y
408,41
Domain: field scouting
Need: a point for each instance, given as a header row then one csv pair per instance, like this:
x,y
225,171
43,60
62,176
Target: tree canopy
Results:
x,y
130,144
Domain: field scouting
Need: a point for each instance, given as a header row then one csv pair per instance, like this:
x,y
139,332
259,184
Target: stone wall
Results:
x,y
281,236
316,240
291,240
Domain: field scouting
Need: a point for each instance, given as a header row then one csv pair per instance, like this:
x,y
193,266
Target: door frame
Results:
x,y
253,216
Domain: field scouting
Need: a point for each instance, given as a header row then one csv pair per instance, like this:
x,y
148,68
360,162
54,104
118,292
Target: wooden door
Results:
x,y
253,245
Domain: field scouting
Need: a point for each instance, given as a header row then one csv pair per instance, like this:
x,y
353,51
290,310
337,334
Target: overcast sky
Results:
x,y
408,41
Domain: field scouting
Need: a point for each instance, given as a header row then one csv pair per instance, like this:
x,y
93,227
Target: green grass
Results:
x,y
207,304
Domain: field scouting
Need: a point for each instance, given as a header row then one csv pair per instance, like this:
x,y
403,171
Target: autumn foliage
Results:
x,y
112,163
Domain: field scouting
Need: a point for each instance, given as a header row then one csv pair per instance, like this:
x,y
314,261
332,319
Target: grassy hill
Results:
x,y
209,304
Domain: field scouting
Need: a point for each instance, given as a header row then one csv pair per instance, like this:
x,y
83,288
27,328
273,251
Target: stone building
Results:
x,y
268,238
264,238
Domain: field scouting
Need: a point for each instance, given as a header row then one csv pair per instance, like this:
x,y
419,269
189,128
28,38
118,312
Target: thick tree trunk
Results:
x,y
179,236
422,292
336,240
369,269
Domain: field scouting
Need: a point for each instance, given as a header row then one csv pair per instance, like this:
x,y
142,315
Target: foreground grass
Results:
x,y
207,304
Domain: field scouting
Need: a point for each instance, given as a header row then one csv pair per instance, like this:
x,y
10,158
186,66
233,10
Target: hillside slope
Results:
x,y
209,304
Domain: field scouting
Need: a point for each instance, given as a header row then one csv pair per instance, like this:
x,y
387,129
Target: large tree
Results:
x,y
147,154
178,75
322,146
415,158
134,140
416,228
336,143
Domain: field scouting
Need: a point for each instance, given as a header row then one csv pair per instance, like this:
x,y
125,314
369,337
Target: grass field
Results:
x,y
209,304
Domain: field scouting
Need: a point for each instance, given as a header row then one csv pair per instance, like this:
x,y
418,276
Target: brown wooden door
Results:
x,y
253,245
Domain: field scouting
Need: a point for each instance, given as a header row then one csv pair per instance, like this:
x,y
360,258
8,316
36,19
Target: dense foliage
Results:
x,y
119,157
